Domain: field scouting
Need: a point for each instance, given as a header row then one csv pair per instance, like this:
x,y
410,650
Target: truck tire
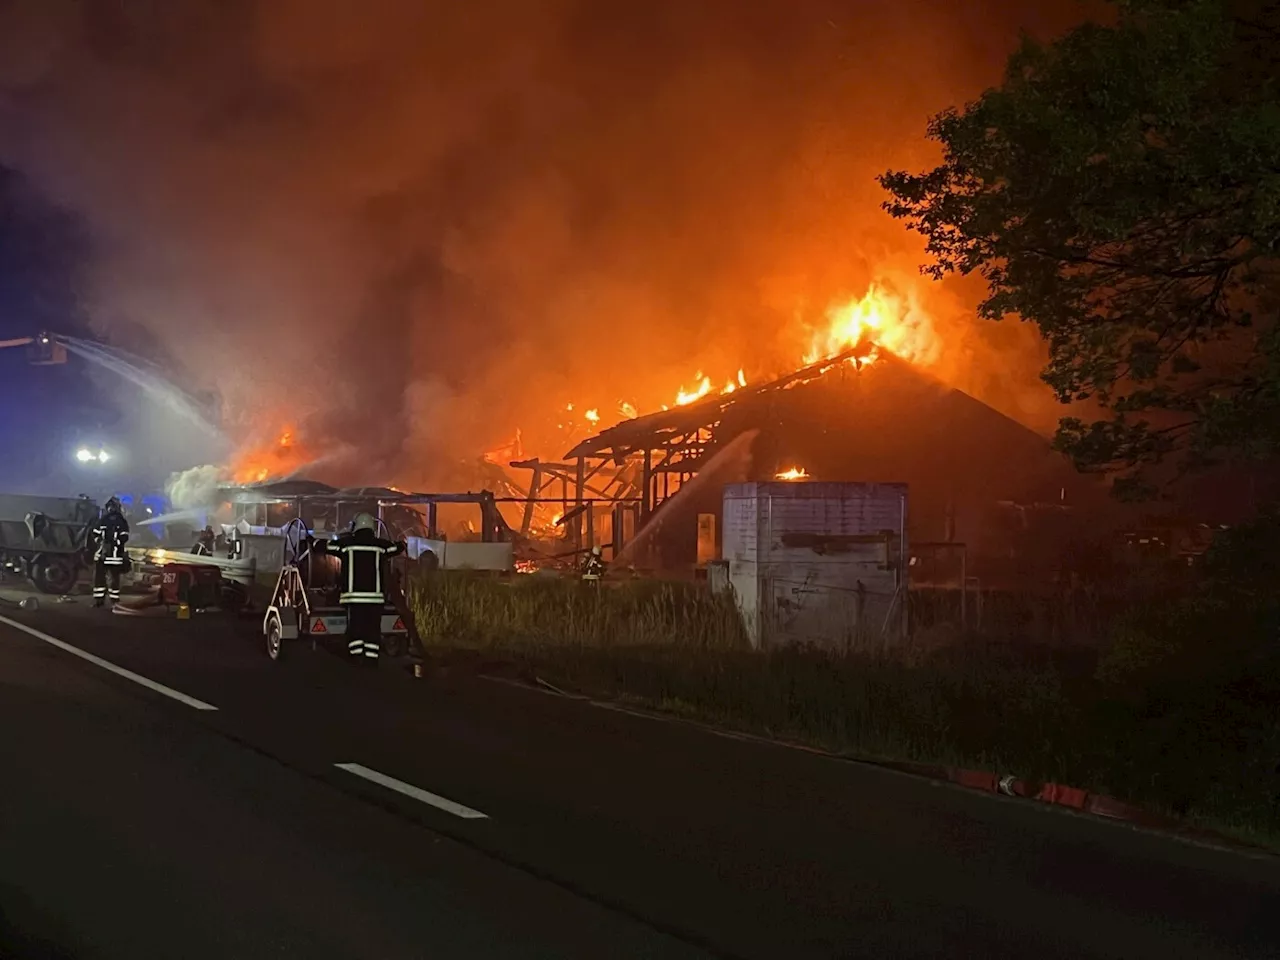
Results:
x,y
56,575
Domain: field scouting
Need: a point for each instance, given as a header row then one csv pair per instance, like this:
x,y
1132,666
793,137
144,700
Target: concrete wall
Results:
x,y
817,563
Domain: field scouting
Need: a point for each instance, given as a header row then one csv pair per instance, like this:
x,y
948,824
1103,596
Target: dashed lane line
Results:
x,y
409,790
108,665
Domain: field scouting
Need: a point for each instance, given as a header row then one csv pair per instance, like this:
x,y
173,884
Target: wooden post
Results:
x,y
646,492
535,488
619,529
580,481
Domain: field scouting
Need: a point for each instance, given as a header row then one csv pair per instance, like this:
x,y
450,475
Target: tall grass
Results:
x,y
483,612
1040,712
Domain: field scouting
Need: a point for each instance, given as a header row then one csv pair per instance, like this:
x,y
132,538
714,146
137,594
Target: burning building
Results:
x,y
976,477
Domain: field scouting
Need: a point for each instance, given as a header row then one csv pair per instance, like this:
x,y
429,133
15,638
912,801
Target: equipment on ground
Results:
x,y
196,585
42,539
305,601
259,513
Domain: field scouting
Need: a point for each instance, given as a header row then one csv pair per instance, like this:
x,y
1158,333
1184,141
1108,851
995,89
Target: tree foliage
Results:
x,y
1121,189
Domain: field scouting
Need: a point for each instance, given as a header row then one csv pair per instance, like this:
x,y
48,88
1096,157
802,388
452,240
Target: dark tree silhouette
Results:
x,y
1121,189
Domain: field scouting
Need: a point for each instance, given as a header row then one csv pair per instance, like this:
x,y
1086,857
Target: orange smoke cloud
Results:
x,y
278,458
416,227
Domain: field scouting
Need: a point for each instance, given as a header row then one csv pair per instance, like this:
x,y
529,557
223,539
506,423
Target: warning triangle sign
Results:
x,y
318,626
399,624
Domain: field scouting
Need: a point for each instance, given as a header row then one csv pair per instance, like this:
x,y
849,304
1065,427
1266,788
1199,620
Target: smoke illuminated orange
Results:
x,y
882,319
270,461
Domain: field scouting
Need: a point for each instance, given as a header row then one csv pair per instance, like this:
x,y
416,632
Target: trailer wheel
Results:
x,y
275,637
53,575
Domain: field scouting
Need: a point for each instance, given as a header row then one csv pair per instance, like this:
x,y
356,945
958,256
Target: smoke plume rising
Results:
x,y
414,226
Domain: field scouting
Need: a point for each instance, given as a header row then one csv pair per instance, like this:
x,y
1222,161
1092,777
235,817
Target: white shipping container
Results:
x,y
817,563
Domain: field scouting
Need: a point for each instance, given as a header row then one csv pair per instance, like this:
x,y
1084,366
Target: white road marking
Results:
x,y
108,665
409,790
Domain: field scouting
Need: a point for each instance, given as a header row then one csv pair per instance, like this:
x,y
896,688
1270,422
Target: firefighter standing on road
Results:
x,y
107,538
363,594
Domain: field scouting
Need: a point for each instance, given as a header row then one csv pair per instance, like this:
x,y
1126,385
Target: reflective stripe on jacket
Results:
x,y
362,554
108,536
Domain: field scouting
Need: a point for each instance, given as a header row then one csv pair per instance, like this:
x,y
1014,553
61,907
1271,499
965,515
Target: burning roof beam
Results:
x,y
668,428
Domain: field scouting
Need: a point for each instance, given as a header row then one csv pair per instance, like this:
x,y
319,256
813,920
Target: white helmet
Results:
x,y
595,551
364,521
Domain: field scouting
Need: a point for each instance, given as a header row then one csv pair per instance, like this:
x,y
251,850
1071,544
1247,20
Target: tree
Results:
x,y
1121,189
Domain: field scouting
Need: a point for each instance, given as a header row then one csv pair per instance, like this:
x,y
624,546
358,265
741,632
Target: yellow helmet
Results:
x,y
364,521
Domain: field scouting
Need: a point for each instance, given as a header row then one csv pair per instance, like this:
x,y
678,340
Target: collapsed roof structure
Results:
x,y
856,416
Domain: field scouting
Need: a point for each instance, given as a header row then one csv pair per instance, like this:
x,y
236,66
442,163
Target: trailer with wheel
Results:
x,y
42,539
304,604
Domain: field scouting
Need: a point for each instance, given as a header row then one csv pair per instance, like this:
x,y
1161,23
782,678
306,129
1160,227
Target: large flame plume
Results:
x,y
881,319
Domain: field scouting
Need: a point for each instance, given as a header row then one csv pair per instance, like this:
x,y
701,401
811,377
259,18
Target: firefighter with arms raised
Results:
x,y
362,583
105,543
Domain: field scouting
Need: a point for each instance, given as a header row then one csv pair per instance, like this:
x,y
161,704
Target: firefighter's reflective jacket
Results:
x,y
362,553
594,568
107,538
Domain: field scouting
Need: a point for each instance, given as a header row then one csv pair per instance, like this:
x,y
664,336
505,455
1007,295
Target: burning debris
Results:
x,y
792,473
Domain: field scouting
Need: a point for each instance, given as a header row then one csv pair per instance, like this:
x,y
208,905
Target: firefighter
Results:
x,y
363,592
205,543
107,538
594,568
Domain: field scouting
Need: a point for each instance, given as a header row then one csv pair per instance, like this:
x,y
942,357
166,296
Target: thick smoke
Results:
x,y
194,488
414,226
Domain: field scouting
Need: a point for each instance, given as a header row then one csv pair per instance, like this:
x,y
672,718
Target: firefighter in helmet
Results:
x,y
363,590
594,568
107,537
204,545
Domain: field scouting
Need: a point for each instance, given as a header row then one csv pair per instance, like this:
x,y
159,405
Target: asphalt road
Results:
x,y
322,811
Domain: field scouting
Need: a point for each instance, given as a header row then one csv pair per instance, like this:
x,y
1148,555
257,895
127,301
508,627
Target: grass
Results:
x,y
1205,753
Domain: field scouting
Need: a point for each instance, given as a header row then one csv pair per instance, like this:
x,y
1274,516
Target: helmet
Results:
x,y
596,551
364,522
113,506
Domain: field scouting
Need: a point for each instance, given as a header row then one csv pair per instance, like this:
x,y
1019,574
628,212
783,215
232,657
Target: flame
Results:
x,y
697,393
794,473
280,458
884,319
881,318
